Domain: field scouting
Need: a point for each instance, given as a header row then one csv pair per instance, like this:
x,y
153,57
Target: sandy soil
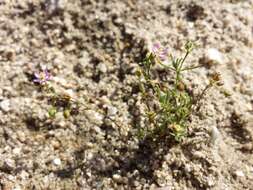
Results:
x,y
92,48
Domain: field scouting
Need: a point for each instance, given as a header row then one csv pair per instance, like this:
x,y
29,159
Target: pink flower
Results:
x,y
42,77
160,52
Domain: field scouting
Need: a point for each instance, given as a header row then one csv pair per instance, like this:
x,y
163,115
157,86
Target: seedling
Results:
x,y
58,101
168,107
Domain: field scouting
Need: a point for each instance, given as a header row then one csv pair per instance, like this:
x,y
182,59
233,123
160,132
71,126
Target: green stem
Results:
x,y
183,60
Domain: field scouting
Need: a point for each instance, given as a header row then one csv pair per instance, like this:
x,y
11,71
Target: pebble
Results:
x,y
213,56
188,168
55,144
57,161
16,151
17,188
5,105
118,178
55,5
198,154
102,68
10,55
89,156
210,182
215,134
21,136
9,164
239,173
59,119
24,175
111,110
94,117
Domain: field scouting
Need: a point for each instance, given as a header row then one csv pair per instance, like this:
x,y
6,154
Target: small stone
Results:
x,y
210,182
61,3
55,5
88,174
55,144
198,154
111,110
57,161
60,81
10,55
24,175
16,151
89,156
188,168
215,135
102,67
94,117
9,164
239,173
70,92
5,105
212,56
17,188
21,136
118,178
59,119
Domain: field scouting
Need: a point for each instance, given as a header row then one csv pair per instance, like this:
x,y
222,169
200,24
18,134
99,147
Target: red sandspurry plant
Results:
x,y
173,104
59,101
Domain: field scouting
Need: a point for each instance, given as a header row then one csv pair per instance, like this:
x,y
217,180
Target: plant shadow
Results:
x,y
139,163
129,164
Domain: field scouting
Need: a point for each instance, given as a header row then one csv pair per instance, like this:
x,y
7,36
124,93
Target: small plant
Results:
x,y
168,107
59,101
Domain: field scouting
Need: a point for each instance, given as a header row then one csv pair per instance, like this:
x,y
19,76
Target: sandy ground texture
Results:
x,y
93,48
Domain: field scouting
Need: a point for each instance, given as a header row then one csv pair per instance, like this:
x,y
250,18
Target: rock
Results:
x,y
119,179
239,173
70,92
16,151
55,5
10,55
89,156
17,188
102,68
187,168
94,117
215,135
198,155
57,161
56,144
24,175
210,182
112,111
9,165
21,136
212,56
59,119
5,105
